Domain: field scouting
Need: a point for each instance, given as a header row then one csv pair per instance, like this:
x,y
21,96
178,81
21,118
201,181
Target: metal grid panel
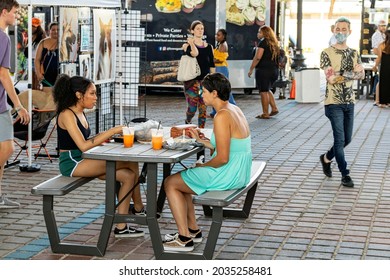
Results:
x,y
133,47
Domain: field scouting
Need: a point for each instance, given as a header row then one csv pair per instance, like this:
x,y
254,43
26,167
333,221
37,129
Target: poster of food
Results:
x,y
370,19
248,12
167,24
243,19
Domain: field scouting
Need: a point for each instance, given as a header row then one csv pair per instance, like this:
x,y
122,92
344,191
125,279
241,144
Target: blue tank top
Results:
x,y
65,142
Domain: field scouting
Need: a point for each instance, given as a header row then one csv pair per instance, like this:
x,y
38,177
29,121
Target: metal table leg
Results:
x,y
151,209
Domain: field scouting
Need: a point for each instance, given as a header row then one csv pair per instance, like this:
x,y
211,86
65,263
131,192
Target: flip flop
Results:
x,y
262,116
273,113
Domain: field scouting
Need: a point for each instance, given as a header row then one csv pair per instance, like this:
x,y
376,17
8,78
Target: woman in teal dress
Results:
x,y
228,168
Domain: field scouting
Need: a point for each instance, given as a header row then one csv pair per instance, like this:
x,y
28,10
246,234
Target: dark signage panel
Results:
x,y
167,27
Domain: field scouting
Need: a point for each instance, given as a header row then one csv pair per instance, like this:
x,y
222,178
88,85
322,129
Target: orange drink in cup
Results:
x,y
157,138
128,137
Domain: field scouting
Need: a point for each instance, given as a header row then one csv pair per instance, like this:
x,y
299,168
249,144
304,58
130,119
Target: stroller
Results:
x,y
281,82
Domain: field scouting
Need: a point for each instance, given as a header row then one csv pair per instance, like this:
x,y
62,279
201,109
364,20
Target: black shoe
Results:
x,y
346,181
143,213
195,235
128,232
326,166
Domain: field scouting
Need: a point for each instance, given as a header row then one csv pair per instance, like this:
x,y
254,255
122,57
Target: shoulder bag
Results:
x,y
188,68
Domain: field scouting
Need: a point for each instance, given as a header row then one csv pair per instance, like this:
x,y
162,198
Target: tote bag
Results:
x,y
188,68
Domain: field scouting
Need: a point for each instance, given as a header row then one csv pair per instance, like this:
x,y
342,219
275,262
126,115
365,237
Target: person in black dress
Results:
x,y
383,60
266,63
46,59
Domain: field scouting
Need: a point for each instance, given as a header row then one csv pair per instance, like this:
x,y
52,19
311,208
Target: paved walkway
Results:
x,y
297,212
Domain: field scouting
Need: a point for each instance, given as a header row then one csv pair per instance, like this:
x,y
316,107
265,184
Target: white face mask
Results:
x,y
341,37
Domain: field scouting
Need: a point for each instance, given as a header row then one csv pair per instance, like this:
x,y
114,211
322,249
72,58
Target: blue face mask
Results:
x,y
341,37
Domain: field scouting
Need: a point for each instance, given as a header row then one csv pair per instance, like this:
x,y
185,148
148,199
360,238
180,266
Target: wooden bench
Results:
x,y
59,186
214,204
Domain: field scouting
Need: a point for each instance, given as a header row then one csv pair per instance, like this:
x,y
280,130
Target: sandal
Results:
x,y
262,116
273,113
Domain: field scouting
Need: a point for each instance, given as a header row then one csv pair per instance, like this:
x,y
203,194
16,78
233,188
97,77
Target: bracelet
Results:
x,y
17,109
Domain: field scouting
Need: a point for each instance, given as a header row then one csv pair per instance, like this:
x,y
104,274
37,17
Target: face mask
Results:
x,y
341,37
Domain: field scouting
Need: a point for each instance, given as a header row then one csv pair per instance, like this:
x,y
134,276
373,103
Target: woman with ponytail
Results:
x,y
72,96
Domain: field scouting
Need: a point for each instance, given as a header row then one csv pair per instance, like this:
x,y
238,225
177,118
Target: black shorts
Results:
x,y
265,78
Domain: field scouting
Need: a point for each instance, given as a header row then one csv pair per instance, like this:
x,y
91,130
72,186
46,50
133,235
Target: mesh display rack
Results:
x,y
133,47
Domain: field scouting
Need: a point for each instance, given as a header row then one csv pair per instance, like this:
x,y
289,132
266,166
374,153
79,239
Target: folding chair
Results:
x,y
41,120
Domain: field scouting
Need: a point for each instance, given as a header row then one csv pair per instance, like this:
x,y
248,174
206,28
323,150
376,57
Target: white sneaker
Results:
x,y
196,237
177,244
6,203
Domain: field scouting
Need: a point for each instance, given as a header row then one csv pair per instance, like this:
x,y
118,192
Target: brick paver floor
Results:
x,y
298,213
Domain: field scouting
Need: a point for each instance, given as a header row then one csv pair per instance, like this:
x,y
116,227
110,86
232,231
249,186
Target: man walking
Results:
x,y
341,65
379,36
8,9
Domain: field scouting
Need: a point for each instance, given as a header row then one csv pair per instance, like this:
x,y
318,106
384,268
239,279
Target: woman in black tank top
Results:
x,y
72,95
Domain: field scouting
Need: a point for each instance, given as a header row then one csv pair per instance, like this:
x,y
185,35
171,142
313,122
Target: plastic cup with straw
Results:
x,y
157,137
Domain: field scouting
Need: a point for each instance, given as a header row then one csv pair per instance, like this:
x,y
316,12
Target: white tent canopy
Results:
x,y
64,3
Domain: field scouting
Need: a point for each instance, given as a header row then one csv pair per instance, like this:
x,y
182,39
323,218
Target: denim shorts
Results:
x,y
69,161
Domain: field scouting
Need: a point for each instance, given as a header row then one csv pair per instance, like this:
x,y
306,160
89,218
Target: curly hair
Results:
x,y
270,37
65,88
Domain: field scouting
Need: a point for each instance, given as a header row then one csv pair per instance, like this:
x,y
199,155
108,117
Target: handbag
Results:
x,y
188,68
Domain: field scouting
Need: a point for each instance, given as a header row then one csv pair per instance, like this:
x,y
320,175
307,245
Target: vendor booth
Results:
x,y
83,50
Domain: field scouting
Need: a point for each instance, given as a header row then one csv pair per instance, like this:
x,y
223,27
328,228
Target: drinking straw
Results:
x,y
159,124
127,122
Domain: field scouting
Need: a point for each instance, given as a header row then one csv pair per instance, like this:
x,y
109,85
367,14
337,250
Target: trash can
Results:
x,y
307,85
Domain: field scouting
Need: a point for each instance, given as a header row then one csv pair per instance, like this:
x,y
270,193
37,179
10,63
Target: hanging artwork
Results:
x,y
69,69
42,17
84,15
104,22
85,65
85,38
69,24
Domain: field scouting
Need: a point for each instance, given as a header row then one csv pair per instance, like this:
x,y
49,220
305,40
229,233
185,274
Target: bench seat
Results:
x,y
59,185
225,198
214,204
